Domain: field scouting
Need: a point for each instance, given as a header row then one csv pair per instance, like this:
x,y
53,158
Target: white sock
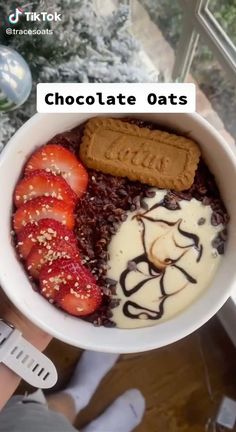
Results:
x,y
123,415
89,372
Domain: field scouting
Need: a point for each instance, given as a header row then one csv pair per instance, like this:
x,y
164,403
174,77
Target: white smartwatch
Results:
x,y
24,359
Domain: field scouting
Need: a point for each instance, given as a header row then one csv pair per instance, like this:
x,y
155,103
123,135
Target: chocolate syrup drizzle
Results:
x,y
134,310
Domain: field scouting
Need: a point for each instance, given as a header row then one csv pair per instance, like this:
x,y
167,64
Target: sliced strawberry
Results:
x,y
65,277
42,232
42,183
43,254
41,208
80,301
58,160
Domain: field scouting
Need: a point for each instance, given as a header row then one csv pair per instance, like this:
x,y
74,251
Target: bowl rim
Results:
x,y
99,346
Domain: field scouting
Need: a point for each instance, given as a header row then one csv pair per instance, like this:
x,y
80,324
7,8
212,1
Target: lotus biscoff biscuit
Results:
x,y
154,157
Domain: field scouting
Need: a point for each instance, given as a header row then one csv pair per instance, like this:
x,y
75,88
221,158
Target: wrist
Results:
x,y
20,356
30,332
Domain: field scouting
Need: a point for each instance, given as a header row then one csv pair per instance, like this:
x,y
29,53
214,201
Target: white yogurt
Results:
x,y
182,266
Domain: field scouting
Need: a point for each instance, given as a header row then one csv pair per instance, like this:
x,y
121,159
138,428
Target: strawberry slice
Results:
x,y
42,183
80,301
41,208
41,233
71,285
43,254
58,160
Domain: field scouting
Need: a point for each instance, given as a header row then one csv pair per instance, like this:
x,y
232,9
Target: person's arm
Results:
x,y
9,381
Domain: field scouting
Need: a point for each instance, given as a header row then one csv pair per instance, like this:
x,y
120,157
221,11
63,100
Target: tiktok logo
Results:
x,y
14,17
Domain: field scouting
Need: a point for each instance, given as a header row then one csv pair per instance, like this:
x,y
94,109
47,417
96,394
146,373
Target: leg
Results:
x,y
89,372
29,414
63,404
124,414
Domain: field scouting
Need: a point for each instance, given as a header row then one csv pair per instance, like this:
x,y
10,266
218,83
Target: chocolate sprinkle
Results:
x,y
201,221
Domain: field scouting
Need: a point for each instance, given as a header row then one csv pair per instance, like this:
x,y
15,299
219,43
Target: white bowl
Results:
x,y
221,161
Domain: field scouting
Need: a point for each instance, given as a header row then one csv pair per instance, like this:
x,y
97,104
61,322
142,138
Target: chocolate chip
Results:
x,y
216,242
108,323
110,281
123,217
132,265
221,249
113,290
206,201
97,322
171,202
136,202
182,195
216,219
201,221
114,303
111,218
122,192
144,204
106,291
150,193
202,190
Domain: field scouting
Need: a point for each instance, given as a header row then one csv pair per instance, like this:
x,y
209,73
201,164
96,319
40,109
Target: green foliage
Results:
x,y
168,15
225,13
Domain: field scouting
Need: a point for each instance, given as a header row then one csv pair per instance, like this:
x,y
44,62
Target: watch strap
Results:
x,y
24,359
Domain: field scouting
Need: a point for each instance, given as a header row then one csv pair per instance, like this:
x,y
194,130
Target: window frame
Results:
x,y
198,20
